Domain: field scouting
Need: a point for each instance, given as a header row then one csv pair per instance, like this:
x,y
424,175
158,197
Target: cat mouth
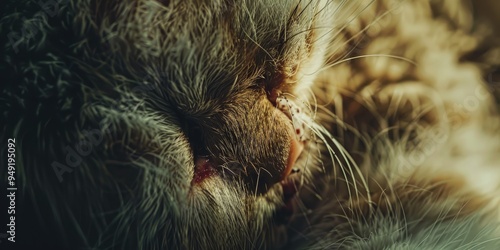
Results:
x,y
298,136
290,179
289,183
296,148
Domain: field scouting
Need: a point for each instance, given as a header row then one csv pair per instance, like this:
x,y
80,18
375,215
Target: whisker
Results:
x,y
366,56
257,184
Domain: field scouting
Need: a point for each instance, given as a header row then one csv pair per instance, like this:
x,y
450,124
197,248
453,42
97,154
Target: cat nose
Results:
x,y
296,148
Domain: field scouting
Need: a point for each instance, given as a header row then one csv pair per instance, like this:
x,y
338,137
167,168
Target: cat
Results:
x,y
252,124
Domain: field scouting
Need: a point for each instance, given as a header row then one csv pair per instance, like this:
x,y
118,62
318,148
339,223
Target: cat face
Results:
x,y
199,108
225,144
